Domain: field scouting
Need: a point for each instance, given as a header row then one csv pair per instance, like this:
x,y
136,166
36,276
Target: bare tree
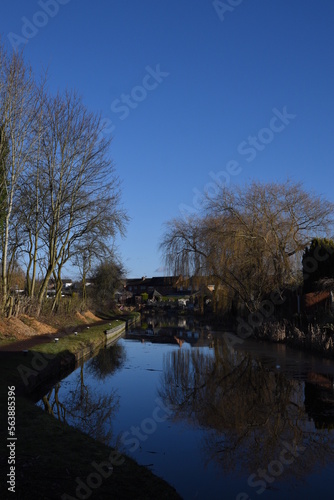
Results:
x,y
79,188
92,248
59,194
18,105
28,209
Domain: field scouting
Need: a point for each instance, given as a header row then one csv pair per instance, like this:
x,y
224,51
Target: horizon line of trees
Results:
x,y
60,197
250,241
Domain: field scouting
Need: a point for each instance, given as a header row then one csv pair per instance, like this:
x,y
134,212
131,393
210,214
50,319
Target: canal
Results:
x,y
216,417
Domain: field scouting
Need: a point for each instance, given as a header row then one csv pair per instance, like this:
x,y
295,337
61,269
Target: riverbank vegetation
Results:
x,y
262,248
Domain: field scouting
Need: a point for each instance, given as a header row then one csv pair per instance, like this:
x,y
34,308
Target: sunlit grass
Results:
x,y
90,337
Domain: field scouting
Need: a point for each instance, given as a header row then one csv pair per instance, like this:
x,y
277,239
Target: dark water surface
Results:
x,y
217,419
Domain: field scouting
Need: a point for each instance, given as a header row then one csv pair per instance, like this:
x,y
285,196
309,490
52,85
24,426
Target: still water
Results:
x,y
216,418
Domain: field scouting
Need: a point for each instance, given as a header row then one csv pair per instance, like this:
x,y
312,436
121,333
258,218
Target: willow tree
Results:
x,y
249,239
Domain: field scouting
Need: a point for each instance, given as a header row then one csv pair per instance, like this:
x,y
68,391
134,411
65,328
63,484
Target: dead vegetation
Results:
x,y
25,326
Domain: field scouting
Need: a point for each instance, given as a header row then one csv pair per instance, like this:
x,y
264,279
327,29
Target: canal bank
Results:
x,y
314,338
51,357
54,460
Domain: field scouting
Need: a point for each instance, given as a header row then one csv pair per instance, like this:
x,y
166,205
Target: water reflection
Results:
x,y
107,361
251,414
260,417
171,329
82,405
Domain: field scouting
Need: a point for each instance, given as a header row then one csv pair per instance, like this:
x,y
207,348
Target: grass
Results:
x,y
92,337
51,457
7,340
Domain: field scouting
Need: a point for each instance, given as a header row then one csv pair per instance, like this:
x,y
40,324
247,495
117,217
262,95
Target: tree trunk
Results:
x,y
43,290
56,302
4,265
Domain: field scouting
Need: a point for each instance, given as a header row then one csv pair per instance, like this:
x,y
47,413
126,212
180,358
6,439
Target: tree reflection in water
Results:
x,y
248,411
107,361
84,407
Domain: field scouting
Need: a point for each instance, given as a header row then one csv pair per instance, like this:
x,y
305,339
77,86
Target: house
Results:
x,y
67,283
164,285
317,301
168,285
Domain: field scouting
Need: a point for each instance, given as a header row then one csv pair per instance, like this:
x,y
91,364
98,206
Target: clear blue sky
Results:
x,y
219,74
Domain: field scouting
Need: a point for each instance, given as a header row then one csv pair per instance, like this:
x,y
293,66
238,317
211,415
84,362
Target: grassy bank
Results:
x,y
91,337
54,460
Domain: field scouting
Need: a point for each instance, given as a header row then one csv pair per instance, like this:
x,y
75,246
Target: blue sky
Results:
x,y
224,74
